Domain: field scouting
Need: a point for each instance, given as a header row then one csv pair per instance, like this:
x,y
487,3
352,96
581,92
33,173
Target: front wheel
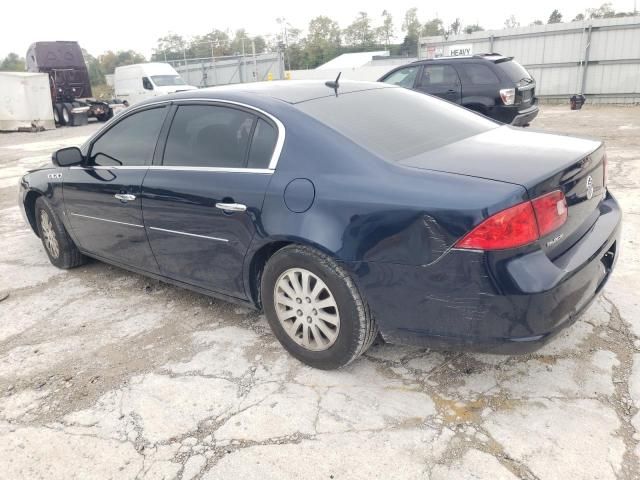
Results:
x,y
315,309
61,250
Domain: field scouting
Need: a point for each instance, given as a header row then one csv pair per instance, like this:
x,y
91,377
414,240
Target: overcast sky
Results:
x,y
131,24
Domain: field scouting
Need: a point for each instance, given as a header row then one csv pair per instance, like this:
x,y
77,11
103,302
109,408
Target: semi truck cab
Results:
x,y
71,96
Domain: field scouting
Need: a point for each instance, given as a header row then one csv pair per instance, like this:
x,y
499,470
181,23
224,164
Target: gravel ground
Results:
x,y
107,374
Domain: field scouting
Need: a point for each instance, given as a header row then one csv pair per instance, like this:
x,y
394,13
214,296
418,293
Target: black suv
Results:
x,y
490,84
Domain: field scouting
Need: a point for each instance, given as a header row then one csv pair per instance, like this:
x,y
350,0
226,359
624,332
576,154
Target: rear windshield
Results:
x,y
395,123
514,70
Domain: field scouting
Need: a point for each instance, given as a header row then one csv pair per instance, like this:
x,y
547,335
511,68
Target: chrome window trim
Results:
x,y
262,171
105,167
275,156
189,234
107,220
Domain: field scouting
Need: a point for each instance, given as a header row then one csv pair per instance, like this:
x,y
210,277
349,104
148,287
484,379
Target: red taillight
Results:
x,y
518,225
551,211
510,228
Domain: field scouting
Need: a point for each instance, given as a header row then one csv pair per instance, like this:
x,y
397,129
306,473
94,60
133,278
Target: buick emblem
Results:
x,y
589,187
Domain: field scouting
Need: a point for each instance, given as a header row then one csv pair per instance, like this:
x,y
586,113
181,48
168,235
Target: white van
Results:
x,y
134,83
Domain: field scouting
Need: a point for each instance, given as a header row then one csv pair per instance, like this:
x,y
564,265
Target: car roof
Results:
x,y
491,57
290,91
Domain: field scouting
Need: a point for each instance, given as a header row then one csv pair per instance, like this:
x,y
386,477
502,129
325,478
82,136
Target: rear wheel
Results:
x,y
103,117
56,115
478,109
61,250
315,309
66,115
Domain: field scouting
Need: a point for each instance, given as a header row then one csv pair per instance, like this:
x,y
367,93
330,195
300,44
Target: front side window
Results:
x,y
130,142
478,74
405,77
209,136
167,80
436,75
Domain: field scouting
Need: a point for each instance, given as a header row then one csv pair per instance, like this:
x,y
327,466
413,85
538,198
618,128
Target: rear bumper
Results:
x,y
524,117
468,301
515,114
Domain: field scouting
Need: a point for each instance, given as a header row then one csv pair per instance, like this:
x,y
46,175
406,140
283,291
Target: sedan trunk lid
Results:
x,y
540,162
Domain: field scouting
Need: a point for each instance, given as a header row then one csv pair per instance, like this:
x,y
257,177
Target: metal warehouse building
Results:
x,y
599,58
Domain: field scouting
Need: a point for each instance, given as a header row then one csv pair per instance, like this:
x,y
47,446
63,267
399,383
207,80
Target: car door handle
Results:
x,y
125,197
231,207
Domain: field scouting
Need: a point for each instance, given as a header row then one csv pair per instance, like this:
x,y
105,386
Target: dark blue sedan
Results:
x,y
343,211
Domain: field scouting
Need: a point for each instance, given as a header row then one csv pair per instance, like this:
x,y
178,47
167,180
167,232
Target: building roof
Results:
x,y
352,60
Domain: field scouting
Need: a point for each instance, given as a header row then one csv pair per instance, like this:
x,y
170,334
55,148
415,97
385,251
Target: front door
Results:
x,y
440,80
102,197
203,205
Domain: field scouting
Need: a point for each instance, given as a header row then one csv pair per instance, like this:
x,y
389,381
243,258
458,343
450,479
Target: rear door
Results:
x,y
102,197
440,80
203,204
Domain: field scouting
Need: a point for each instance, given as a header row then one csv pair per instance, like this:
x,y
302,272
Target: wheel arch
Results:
x,y
477,107
30,208
258,258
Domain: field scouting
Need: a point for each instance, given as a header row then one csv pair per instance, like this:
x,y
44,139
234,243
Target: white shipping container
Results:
x,y
25,101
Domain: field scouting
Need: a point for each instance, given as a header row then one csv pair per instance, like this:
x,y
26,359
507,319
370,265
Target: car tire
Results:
x,y
295,280
56,115
60,120
103,117
60,248
66,115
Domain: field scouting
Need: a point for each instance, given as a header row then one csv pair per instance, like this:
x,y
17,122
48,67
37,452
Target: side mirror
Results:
x,y
146,83
66,157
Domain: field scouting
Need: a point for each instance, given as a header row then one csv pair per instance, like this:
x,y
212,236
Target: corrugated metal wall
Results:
x,y
207,72
599,57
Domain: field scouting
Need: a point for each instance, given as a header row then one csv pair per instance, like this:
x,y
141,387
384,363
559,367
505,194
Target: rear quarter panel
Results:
x,y
366,209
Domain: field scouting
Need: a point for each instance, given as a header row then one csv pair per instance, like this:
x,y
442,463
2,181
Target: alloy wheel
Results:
x,y
307,309
49,235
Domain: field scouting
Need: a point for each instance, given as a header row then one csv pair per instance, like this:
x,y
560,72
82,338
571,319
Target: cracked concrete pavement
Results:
x,y
106,374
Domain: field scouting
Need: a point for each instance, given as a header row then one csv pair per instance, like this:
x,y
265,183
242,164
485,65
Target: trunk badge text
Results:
x,y
589,187
555,240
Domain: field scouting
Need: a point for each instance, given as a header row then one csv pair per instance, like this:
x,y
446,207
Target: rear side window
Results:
x,y
478,74
130,142
514,70
396,123
438,75
262,145
209,136
405,77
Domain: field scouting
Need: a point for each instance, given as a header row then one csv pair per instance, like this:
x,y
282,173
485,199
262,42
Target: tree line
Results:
x,y
324,40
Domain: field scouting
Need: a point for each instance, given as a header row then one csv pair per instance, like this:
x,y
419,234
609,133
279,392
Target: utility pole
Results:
x,y
283,23
255,63
244,63
184,56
